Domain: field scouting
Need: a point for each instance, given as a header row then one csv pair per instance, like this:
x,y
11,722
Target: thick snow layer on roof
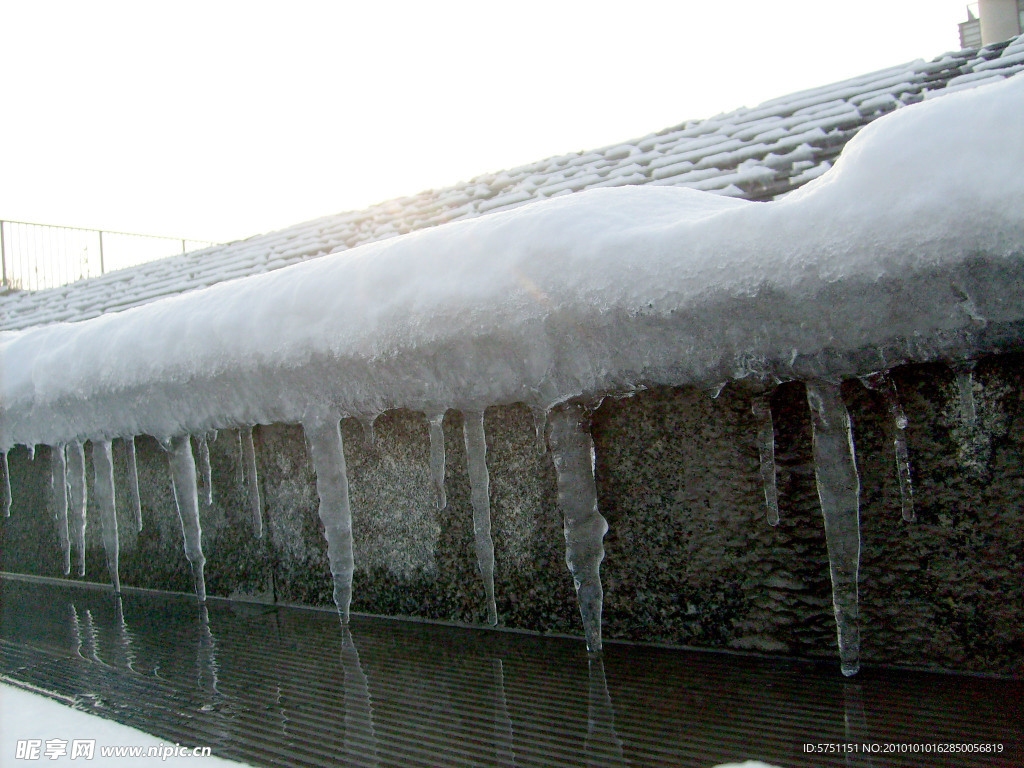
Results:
x,y
781,135
911,247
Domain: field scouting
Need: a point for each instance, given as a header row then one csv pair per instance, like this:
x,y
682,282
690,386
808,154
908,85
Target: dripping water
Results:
x,y
327,450
884,385
103,467
59,491
437,459
133,482
479,484
7,484
835,469
584,526
79,496
186,497
252,480
204,469
762,409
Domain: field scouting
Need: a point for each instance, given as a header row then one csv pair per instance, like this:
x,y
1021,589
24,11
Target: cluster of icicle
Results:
x,y
565,429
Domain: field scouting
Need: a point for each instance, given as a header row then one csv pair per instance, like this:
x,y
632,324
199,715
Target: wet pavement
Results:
x,y
272,685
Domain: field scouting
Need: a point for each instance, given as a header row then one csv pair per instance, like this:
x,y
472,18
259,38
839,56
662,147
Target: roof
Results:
x,y
758,153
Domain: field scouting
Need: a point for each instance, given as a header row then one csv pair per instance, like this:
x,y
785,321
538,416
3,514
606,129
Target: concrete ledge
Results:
x,y
690,559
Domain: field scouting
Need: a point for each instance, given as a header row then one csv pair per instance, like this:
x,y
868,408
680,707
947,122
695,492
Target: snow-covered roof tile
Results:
x,y
760,153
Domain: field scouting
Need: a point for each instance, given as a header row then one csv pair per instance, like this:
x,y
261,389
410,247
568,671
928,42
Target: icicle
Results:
x,y
584,526
186,497
540,428
103,466
133,482
603,746
241,459
369,434
965,382
479,485
253,480
59,489
7,484
882,383
328,454
437,459
835,468
32,452
762,409
204,469
79,496
360,734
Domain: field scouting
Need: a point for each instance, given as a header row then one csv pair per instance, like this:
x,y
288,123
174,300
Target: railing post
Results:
x,y
102,270
3,253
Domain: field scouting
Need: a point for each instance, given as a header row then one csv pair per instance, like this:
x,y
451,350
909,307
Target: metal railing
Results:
x,y
38,256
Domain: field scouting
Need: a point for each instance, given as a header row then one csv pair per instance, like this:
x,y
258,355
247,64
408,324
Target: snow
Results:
x,y
27,715
602,291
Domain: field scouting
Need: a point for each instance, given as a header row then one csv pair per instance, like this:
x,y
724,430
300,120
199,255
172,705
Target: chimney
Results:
x,y
1000,20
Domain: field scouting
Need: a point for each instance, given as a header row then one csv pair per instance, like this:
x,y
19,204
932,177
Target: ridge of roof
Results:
x,y
757,153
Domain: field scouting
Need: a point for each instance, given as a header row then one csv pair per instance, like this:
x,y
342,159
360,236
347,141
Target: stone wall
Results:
x,y
690,559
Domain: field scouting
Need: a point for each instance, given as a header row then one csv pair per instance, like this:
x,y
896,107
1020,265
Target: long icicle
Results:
x,y
437,459
186,497
8,499
103,467
884,385
79,499
584,526
59,491
762,409
133,482
835,469
540,428
328,453
479,485
253,480
204,469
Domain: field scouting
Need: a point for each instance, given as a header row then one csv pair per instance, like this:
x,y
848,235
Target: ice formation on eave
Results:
x,y
911,248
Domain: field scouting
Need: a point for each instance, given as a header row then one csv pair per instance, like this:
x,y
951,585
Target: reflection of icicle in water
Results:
x,y
965,383
206,657
328,452
437,458
762,409
103,466
204,469
79,498
252,479
124,636
360,734
59,494
603,746
584,526
884,385
133,481
186,496
479,487
835,468
504,742
855,725
7,484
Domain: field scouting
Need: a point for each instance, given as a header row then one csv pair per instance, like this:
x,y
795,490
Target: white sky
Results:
x,y
220,119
